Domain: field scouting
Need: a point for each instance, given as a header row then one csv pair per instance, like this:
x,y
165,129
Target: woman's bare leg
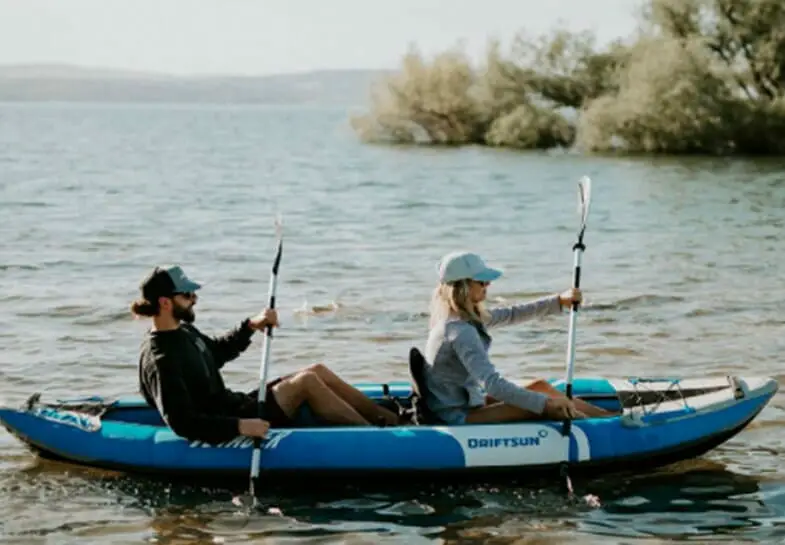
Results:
x,y
306,386
499,412
587,408
503,412
354,397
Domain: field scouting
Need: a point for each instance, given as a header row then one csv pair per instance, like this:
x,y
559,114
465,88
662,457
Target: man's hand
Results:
x,y
253,427
268,317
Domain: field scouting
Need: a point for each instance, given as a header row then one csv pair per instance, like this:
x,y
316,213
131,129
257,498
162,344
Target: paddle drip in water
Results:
x,y
592,501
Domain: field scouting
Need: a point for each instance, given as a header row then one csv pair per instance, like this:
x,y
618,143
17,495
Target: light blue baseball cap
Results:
x,y
465,266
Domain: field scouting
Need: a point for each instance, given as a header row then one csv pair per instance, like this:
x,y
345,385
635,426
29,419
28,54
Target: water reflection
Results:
x,y
694,499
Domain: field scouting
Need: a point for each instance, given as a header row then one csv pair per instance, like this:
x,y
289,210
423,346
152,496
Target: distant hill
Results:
x,y
78,84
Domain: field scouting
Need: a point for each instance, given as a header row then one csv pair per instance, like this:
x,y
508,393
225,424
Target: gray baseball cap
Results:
x,y
166,282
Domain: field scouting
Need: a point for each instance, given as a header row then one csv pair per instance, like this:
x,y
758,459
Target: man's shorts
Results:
x,y
273,413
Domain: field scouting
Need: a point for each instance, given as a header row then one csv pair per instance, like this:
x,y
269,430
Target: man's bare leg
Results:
x,y
354,397
306,386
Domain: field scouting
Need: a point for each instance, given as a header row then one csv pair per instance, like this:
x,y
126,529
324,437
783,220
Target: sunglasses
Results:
x,y
186,294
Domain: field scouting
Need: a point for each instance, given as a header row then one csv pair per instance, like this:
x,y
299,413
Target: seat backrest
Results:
x,y
417,370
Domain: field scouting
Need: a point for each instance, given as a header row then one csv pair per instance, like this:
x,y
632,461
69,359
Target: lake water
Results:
x,y
682,276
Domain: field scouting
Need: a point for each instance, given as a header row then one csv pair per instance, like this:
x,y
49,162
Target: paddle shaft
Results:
x,y
584,194
256,455
578,249
567,424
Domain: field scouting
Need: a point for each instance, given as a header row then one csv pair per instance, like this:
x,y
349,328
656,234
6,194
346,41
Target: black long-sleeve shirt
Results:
x,y
179,374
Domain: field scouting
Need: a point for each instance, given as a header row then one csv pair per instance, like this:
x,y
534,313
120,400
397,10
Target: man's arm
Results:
x,y
175,404
230,345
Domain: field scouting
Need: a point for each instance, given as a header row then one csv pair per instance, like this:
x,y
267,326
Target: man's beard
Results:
x,y
183,314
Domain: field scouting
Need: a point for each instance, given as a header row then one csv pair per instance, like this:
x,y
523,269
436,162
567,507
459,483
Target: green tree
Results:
x,y
514,100
703,78
700,76
669,100
424,102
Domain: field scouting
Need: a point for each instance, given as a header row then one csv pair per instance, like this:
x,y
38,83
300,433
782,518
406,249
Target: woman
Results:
x,y
459,372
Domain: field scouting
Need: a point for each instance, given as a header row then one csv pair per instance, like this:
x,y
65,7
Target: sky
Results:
x,y
258,37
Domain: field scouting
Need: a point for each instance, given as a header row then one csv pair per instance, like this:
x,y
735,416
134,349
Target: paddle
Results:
x,y
256,456
584,198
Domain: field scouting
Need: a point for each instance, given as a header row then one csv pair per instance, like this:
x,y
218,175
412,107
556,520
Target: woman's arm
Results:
x,y
515,314
468,346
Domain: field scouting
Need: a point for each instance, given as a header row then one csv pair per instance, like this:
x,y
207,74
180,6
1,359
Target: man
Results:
x,y
179,373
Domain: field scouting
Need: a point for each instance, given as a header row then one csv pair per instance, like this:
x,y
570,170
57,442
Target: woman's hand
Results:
x,y
571,295
561,408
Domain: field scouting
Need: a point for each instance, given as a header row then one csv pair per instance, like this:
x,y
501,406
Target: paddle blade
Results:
x,y
584,199
279,249
279,226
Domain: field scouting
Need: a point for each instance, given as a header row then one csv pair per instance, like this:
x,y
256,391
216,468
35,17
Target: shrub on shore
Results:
x,y
699,77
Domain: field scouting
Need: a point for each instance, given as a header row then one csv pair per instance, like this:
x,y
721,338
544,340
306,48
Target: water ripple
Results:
x,y
98,194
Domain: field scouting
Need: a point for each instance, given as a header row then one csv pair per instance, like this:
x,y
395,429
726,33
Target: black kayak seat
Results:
x,y
422,414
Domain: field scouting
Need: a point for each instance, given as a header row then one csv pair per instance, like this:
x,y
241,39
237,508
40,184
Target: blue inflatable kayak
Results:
x,y
663,421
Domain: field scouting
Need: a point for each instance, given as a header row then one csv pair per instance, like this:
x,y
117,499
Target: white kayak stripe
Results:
x,y
518,444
